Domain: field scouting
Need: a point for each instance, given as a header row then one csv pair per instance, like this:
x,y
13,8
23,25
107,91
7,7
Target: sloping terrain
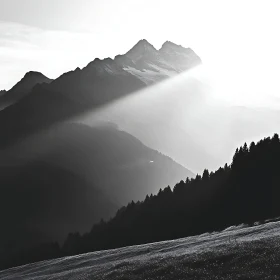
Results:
x,y
41,203
68,178
115,161
151,65
22,88
99,83
236,253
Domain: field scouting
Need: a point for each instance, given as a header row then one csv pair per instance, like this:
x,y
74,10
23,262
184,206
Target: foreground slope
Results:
x,y
236,253
244,192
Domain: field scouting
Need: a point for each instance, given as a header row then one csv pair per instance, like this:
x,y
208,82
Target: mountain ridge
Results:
x,y
22,88
80,90
70,176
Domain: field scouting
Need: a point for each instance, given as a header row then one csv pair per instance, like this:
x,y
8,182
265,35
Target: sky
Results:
x,y
235,38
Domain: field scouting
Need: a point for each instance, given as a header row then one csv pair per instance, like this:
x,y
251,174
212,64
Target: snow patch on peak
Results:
x,y
105,66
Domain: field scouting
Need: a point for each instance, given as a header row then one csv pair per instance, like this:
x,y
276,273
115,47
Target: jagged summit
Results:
x,y
104,66
141,48
172,48
171,45
142,65
143,43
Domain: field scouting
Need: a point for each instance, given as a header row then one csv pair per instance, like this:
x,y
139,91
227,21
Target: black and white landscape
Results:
x,y
121,158
236,252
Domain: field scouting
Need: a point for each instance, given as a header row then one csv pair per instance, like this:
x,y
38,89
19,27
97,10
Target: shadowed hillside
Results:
x,y
244,192
69,177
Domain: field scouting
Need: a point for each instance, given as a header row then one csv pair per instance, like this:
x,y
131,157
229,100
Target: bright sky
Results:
x,y
53,36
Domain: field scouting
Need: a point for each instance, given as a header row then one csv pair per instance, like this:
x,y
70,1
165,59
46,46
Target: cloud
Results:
x,y
24,48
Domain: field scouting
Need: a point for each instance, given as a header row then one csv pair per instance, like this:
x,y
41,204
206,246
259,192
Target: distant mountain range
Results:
x,y
38,102
58,176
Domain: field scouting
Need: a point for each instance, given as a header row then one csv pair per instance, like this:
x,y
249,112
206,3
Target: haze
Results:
x,y
233,37
236,40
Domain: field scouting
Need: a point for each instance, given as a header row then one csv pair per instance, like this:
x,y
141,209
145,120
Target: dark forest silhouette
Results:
x,y
245,191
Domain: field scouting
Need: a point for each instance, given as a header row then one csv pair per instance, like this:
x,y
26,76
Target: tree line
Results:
x,y
245,191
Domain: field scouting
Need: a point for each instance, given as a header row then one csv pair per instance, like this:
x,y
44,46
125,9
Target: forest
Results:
x,y
245,191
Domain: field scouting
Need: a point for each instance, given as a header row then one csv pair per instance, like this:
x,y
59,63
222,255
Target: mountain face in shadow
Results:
x,y
81,173
99,83
115,161
244,192
40,203
22,88
68,177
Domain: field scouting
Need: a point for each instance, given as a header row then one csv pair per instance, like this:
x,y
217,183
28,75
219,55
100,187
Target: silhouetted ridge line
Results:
x,y
245,191
22,88
37,102
70,176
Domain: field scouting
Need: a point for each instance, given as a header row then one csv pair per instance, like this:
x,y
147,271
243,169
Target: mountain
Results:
x,y
40,202
244,192
22,88
151,65
102,81
122,166
238,194
97,84
68,177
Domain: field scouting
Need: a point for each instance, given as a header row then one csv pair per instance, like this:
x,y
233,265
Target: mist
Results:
x,y
208,120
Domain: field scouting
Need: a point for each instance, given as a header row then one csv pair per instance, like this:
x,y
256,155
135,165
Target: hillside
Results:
x,y
115,161
22,88
244,192
236,253
67,178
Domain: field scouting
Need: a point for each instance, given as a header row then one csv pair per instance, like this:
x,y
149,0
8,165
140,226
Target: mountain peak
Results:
x,y
138,50
25,85
34,74
168,45
143,42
